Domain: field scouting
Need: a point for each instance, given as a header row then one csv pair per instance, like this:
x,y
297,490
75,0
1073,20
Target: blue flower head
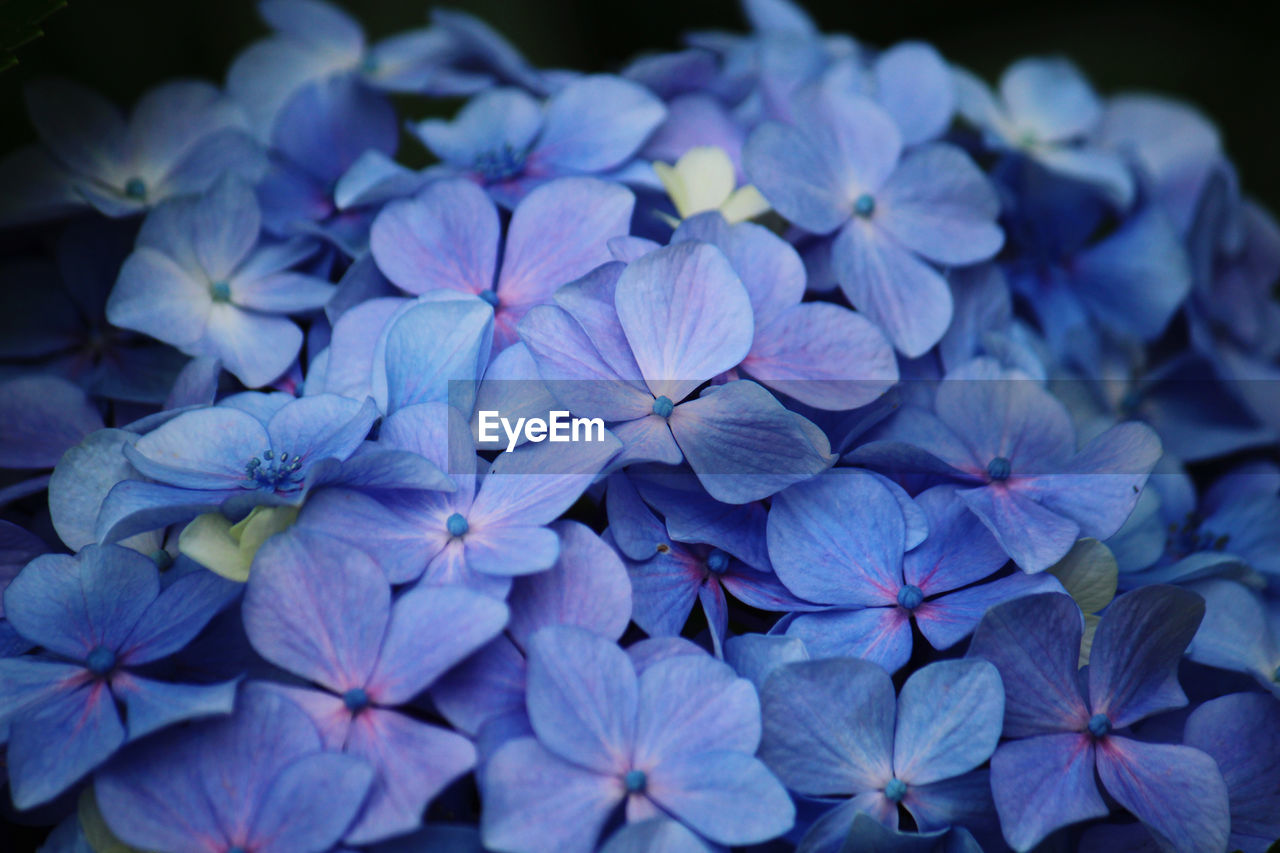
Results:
x,y
101,618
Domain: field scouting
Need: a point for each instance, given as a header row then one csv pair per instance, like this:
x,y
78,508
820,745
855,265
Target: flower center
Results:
x,y
635,780
489,296
220,291
499,164
457,525
718,561
356,700
999,468
663,407
1099,725
910,596
100,661
895,790
369,65
1188,538
136,188
864,206
274,471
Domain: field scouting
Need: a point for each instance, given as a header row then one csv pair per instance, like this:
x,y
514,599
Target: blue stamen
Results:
x,y
999,468
718,561
895,790
456,525
275,471
635,780
910,597
489,296
499,164
220,291
100,661
355,699
864,206
663,407
1099,725
136,188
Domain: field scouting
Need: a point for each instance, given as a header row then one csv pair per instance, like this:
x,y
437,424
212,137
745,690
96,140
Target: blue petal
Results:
x,y
596,123
447,236
744,445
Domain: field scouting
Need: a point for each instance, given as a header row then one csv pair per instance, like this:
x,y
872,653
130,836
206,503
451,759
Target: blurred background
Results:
x,y
1222,56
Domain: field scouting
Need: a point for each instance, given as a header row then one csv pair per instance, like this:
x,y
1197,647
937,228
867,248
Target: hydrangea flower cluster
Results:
x,y
927,496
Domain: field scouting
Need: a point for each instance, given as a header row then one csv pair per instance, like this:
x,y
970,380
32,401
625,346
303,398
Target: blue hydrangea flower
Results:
x,y
674,737
1011,444
313,40
492,528
180,138
839,540
509,142
449,237
669,576
101,618
326,614
840,168
320,133
1046,110
632,344
1057,736
252,450
833,729
257,780
53,314
1232,531
200,280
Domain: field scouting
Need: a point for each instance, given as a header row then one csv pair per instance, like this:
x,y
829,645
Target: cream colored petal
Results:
x,y
745,203
1088,573
209,540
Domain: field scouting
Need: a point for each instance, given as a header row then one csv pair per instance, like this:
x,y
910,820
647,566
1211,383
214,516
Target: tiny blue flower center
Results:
x,y
663,407
274,471
100,661
864,206
1099,725
910,596
220,291
369,65
457,525
162,558
355,699
635,780
895,790
136,188
717,561
999,468
499,164
1188,537
489,296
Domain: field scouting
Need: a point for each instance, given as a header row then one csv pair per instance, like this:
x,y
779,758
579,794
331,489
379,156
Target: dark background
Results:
x,y
1223,56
